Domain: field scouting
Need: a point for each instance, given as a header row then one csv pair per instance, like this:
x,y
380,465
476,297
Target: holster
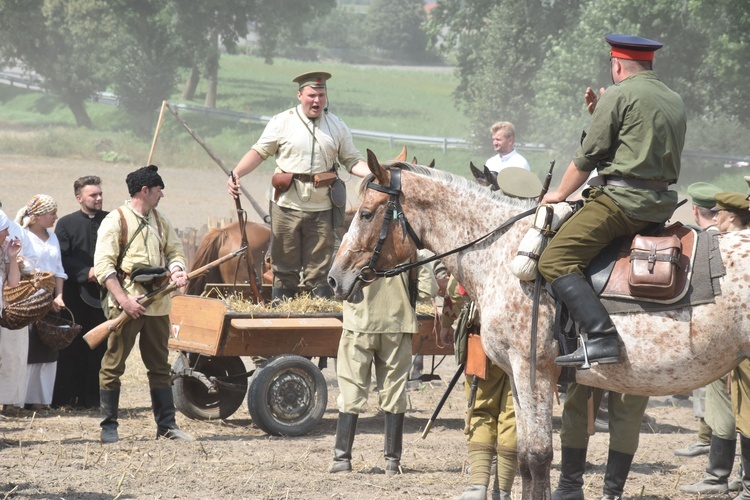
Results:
x,y
281,182
477,362
653,266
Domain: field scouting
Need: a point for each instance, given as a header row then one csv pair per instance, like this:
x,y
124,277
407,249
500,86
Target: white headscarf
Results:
x,y
39,205
4,221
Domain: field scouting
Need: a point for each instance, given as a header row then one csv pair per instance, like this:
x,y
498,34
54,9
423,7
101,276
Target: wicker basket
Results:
x,y
57,332
24,312
28,285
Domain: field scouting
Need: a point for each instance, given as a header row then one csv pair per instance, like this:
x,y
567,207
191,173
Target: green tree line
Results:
x,y
530,62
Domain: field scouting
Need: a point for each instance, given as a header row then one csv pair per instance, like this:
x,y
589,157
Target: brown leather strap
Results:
x,y
303,177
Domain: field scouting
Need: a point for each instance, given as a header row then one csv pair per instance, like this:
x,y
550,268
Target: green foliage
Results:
x,y
395,28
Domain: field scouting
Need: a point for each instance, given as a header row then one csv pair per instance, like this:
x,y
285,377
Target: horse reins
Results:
x,y
394,211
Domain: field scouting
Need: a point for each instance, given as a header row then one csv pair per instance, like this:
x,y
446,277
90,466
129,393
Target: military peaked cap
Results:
x,y
632,47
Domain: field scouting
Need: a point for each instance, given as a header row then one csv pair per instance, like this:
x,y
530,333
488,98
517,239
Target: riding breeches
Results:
x,y
741,397
584,235
625,415
719,413
154,332
391,354
301,242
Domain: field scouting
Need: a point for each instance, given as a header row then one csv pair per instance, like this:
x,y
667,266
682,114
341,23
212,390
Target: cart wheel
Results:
x,y
191,396
287,396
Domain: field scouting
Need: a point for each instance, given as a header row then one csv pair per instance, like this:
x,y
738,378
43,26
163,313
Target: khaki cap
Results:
x,y
315,79
734,202
519,183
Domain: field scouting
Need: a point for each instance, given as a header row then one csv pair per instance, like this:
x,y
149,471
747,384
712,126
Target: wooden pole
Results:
x,y
262,213
156,132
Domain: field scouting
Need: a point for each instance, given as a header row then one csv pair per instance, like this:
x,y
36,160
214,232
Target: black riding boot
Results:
x,y
342,448
109,401
162,402
279,294
394,437
618,467
321,291
572,466
745,450
720,463
593,319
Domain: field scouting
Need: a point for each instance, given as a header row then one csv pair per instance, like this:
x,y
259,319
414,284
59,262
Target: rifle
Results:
x,y
537,294
242,219
439,407
100,333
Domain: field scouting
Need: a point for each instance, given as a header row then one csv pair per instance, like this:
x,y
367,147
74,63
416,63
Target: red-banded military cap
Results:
x,y
632,47
315,79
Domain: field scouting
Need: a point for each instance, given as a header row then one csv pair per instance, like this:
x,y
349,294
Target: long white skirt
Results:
x,y
14,351
40,383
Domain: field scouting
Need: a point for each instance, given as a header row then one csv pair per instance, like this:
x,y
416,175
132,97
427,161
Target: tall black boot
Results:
x,y
745,451
322,291
162,402
346,426
109,403
618,468
394,438
593,320
720,462
572,465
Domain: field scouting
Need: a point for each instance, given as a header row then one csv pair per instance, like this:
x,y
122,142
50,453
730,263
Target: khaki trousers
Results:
x,y
301,242
391,353
741,397
625,415
719,413
154,332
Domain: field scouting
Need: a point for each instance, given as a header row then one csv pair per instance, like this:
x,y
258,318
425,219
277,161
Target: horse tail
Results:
x,y
207,252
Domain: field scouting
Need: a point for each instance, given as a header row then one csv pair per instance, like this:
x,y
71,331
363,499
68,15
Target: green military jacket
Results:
x,y
637,131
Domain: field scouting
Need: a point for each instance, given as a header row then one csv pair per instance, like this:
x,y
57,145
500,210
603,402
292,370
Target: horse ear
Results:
x,y
414,160
432,163
378,171
478,175
401,156
491,177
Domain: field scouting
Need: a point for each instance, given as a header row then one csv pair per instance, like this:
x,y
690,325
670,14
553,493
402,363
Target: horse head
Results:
x,y
380,236
484,178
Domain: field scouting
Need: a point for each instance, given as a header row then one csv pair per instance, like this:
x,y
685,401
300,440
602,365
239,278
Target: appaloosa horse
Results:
x,y
662,353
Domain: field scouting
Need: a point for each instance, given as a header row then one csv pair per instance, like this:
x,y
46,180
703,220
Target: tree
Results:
x,y
395,28
66,42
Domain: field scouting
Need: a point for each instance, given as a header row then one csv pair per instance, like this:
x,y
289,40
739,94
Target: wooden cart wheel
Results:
x,y
287,396
191,396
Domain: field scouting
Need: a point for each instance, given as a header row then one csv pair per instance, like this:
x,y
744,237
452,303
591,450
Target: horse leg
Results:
x,y
534,423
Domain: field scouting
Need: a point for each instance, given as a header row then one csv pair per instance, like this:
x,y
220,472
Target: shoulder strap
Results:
x,y
124,242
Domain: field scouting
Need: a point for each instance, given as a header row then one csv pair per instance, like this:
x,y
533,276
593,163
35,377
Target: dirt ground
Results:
x,y
56,453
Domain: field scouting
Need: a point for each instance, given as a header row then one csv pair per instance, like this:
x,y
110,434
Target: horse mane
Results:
x,y
456,180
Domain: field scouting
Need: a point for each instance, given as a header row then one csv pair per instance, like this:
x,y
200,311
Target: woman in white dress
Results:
x,y
14,344
37,218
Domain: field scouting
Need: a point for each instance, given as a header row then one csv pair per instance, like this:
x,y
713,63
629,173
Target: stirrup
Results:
x,y
586,364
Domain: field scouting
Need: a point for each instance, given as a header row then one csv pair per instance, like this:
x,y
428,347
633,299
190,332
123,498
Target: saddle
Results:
x,y
655,268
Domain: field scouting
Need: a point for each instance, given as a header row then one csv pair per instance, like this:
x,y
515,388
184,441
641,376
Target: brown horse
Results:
x,y
220,242
666,352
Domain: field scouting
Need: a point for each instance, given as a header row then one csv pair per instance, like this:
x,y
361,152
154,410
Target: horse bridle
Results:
x,y
393,211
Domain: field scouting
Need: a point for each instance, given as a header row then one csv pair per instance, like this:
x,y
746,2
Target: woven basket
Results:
x,y
24,312
57,332
28,285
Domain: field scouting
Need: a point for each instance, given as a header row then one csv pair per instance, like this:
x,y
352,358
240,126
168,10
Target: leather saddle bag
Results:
x,y
281,182
654,265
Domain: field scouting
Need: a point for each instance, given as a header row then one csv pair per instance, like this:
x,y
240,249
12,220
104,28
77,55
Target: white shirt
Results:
x,y
512,159
46,255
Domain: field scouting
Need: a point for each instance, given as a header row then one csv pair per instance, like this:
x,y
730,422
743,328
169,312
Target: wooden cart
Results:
x,y
286,394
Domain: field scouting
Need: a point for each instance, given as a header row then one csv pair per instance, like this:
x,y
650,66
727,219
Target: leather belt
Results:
x,y
303,177
607,180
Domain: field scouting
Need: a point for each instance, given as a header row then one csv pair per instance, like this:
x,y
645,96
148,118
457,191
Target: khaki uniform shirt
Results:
x,y
637,131
148,248
289,137
386,307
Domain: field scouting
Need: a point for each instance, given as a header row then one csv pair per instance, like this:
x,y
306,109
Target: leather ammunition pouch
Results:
x,y
653,266
149,275
324,179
